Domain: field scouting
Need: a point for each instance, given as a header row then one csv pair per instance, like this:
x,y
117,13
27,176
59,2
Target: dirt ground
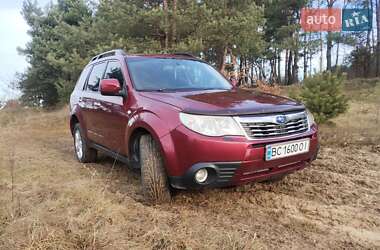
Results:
x,y
50,201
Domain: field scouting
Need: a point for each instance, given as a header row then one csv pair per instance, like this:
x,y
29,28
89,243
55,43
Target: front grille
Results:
x,y
267,126
226,171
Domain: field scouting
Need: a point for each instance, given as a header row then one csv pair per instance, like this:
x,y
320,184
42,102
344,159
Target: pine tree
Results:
x,y
322,95
57,52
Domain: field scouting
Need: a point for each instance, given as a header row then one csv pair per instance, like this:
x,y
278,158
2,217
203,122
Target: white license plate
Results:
x,y
285,149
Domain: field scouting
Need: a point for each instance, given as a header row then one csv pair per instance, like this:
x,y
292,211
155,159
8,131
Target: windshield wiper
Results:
x,y
161,90
170,90
155,90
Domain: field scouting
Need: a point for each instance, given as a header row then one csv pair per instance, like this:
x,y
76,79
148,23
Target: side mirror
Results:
x,y
110,87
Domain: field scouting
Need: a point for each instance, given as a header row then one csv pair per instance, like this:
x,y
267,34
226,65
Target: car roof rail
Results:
x,y
109,53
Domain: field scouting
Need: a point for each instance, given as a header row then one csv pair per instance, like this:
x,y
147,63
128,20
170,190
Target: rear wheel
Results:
x,y
83,152
153,175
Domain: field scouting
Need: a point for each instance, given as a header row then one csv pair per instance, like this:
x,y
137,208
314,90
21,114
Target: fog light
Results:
x,y
201,175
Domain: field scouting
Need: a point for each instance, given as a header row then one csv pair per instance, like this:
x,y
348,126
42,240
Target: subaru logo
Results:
x,y
281,119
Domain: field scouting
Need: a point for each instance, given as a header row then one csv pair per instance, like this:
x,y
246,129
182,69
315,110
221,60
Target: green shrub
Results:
x,y
323,96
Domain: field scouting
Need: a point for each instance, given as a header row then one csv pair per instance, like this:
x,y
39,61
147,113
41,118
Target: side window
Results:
x,y
82,78
95,76
114,72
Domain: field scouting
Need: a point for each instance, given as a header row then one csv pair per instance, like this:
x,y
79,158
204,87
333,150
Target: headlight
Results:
x,y
310,118
211,125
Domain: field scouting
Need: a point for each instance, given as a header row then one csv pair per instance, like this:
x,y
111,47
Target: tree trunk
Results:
x,y
174,23
321,49
263,70
166,14
222,59
372,31
251,67
289,69
286,66
279,66
295,67
305,53
320,45
367,68
275,76
369,31
367,63
246,71
241,74
330,4
328,50
272,71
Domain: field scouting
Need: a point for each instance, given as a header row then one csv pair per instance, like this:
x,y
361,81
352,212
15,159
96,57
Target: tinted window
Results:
x,y
174,74
95,76
114,72
82,78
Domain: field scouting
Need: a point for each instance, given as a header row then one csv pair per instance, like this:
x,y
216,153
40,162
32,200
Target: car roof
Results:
x,y
118,54
162,55
182,56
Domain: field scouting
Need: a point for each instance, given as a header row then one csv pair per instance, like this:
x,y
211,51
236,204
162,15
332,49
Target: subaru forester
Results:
x,y
184,125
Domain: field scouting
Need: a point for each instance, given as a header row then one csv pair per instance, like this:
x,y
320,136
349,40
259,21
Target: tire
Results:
x,y
153,175
82,151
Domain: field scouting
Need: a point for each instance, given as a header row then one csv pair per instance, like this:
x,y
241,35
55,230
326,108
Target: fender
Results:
x,y
76,111
160,133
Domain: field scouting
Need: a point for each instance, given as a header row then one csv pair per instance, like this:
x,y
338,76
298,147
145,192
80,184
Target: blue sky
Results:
x,y
13,34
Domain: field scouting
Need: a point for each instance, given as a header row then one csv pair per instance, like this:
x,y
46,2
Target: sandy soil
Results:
x,y
61,204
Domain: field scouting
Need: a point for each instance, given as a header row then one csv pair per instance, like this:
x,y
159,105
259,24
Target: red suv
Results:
x,y
184,125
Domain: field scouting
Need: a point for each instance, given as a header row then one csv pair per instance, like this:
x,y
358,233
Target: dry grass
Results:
x,y
271,89
360,125
59,203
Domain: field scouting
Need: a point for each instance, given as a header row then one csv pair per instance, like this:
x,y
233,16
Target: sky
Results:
x,y
13,34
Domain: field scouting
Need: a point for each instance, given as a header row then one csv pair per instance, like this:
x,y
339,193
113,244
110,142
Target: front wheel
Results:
x,y
153,175
83,152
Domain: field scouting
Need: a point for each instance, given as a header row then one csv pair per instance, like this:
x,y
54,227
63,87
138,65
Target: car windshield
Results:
x,y
169,74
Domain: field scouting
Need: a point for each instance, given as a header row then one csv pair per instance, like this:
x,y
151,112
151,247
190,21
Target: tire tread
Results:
x,y
153,175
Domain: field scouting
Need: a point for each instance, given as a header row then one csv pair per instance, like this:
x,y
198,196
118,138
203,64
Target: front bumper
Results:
x,y
234,160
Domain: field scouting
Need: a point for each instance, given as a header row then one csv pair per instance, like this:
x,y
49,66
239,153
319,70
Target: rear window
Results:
x,y
83,77
95,76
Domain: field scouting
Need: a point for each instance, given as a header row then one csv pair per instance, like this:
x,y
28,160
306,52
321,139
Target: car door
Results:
x,y
112,114
90,103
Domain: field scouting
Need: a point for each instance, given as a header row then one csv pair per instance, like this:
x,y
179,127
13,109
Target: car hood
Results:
x,y
231,102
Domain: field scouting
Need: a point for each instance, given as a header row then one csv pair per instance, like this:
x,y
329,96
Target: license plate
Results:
x,y
285,149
